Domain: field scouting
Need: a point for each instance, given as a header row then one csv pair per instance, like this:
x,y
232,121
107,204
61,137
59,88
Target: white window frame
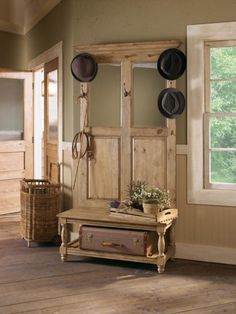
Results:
x,y
197,37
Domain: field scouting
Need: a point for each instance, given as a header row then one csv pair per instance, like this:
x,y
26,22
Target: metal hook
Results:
x,y
125,92
83,95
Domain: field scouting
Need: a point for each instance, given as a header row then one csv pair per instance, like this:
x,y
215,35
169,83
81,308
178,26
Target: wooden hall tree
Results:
x,y
125,152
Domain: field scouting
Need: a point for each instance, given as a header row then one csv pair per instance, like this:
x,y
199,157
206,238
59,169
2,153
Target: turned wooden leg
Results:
x,y
161,259
64,240
160,269
63,257
161,243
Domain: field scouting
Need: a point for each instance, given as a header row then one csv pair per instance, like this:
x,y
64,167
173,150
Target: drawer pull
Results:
x,y
111,244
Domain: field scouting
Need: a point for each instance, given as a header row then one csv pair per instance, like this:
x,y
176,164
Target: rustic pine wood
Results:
x,y
35,281
139,51
71,220
124,153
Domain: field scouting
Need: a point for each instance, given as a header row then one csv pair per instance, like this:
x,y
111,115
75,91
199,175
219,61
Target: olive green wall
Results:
x,y
11,51
55,27
107,21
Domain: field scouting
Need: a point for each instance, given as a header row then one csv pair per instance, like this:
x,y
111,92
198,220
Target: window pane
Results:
x,y
146,87
223,167
11,109
223,96
52,106
223,62
104,109
223,132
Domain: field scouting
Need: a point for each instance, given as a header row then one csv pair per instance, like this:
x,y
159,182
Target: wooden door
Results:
x,y
16,134
51,119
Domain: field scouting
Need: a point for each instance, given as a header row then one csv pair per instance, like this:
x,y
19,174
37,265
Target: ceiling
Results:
x,y
19,16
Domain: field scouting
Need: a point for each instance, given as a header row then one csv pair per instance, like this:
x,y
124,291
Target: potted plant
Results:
x,y
135,193
155,200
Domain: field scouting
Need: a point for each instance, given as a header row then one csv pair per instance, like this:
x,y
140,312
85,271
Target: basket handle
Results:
x,y
58,171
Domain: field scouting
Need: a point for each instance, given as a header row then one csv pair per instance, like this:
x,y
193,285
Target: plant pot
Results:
x,y
151,208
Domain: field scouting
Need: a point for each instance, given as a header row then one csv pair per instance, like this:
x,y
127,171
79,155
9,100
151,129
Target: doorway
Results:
x,y
46,121
48,75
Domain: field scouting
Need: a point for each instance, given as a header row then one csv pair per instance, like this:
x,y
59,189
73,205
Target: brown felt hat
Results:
x,y
171,103
83,67
171,64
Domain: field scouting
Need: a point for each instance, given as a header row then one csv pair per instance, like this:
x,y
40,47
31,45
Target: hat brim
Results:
x,y
84,68
171,64
171,103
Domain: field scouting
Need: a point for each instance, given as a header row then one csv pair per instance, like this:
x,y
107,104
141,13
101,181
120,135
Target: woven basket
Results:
x,y
40,203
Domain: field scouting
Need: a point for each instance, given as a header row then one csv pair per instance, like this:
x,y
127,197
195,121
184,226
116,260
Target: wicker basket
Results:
x,y
40,203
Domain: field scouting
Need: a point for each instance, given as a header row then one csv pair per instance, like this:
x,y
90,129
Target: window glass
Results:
x,y
223,96
52,99
11,109
222,79
223,63
223,167
222,127
223,132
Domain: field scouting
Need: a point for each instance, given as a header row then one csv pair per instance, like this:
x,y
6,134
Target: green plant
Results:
x,y
135,193
157,196
139,192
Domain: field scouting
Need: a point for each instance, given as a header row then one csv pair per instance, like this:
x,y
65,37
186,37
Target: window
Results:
x,y
220,116
212,114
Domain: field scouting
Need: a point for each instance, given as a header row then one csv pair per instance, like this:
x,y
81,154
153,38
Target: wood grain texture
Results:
x,y
9,196
35,281
149,160
104,169
139,51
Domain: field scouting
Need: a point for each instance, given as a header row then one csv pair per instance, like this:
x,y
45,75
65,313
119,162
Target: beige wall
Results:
x,y
201,224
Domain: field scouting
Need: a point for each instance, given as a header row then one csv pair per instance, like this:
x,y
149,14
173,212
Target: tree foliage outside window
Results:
x,y
222,125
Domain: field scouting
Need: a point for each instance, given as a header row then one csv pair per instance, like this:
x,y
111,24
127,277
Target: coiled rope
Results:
x,y
78,140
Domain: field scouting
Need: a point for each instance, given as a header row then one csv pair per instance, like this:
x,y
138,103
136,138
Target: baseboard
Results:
x,y
206,253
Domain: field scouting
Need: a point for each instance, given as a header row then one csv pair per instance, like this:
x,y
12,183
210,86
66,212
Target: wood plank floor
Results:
x,y
33,280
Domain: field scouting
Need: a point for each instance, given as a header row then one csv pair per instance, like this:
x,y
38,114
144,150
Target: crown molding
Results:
x,y
11,28
34,13
25,15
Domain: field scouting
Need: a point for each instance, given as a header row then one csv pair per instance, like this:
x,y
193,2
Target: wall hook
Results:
x,y
125,92
83,94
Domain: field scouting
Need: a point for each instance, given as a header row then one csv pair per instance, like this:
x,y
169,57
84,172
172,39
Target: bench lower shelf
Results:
x,y
155,259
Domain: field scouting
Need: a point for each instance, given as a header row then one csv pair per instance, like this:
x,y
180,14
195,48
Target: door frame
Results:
x,y
37,63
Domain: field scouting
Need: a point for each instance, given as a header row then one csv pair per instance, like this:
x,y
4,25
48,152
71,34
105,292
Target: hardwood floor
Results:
x,y
33,280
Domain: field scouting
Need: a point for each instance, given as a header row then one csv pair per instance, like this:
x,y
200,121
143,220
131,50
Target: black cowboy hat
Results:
x,y
171,63
83,67
171,102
